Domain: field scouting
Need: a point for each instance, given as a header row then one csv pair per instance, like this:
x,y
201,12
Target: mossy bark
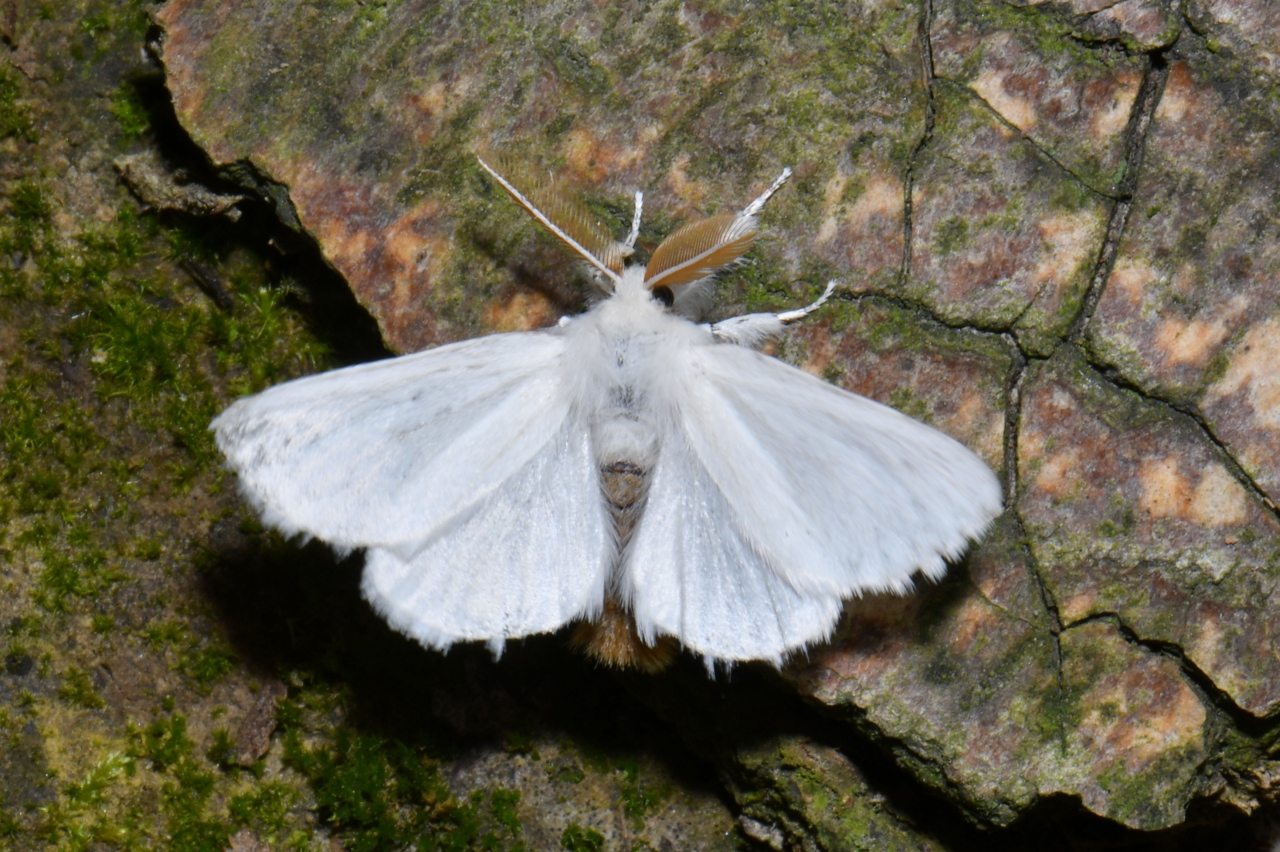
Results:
x,y
1053,222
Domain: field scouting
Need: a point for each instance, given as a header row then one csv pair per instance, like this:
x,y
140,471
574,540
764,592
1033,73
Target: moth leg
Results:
x,y
746,220
755,329
754,207
792,316
630,243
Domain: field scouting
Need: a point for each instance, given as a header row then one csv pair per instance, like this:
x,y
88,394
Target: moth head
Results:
x,y
678,274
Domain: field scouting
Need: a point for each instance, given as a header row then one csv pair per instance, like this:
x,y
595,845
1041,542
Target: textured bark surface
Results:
x,y
1056,224
700,106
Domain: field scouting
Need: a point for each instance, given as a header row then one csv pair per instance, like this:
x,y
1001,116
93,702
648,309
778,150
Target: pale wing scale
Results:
x,y
833,493
692,572
847,494
384,454
529,558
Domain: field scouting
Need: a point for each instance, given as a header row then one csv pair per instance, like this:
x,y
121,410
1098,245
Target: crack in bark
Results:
x,y
930,111
921,309
1012,429
1144,109
1113,376
1030,140
1013,418
1055,622
1212,696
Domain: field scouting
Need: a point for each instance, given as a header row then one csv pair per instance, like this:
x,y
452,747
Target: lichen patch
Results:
x,y
1131,277
881,198
1219,500
1252,369
1018,110
1058,473
1179,95
1067,241
1112,117
523,310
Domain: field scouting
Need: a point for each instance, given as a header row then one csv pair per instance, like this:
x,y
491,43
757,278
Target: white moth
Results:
x,y
482,477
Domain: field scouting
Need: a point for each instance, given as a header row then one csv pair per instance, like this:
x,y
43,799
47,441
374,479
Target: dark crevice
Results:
x,y
1144,108
1013,419
930,111
756,707
1191,23
916,306
1211,695
977,590
1115,377
1012,428
1050,604
268,225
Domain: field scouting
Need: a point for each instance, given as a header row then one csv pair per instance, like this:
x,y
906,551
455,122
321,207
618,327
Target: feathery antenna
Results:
x,y
755,207
801,313
700,248
697,250
566,218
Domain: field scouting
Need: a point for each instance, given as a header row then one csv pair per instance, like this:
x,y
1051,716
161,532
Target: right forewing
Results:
x,y
843,494
777,495
389,453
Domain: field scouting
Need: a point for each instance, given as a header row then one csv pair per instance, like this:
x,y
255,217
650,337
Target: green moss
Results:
x,y
519,742
79,819
265,809
380,794
164,742
203,663
95,25
906,400
573,64
951,236
504,804
222,752
130,111
65,578
15,118
578,839
78,689
635,796
1071,195
566,771
205,666
29,213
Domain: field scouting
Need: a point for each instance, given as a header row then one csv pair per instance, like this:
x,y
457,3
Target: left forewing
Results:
x,y
387,453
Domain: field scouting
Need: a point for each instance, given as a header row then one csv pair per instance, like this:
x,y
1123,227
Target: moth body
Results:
x,y
620,348
653,477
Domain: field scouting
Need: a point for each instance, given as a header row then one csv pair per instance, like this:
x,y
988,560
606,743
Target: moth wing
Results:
x,y
389,453
694,572
527,559
461,468
813,494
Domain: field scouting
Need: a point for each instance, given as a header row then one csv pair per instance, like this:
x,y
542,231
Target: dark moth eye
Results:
x,y
664,295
